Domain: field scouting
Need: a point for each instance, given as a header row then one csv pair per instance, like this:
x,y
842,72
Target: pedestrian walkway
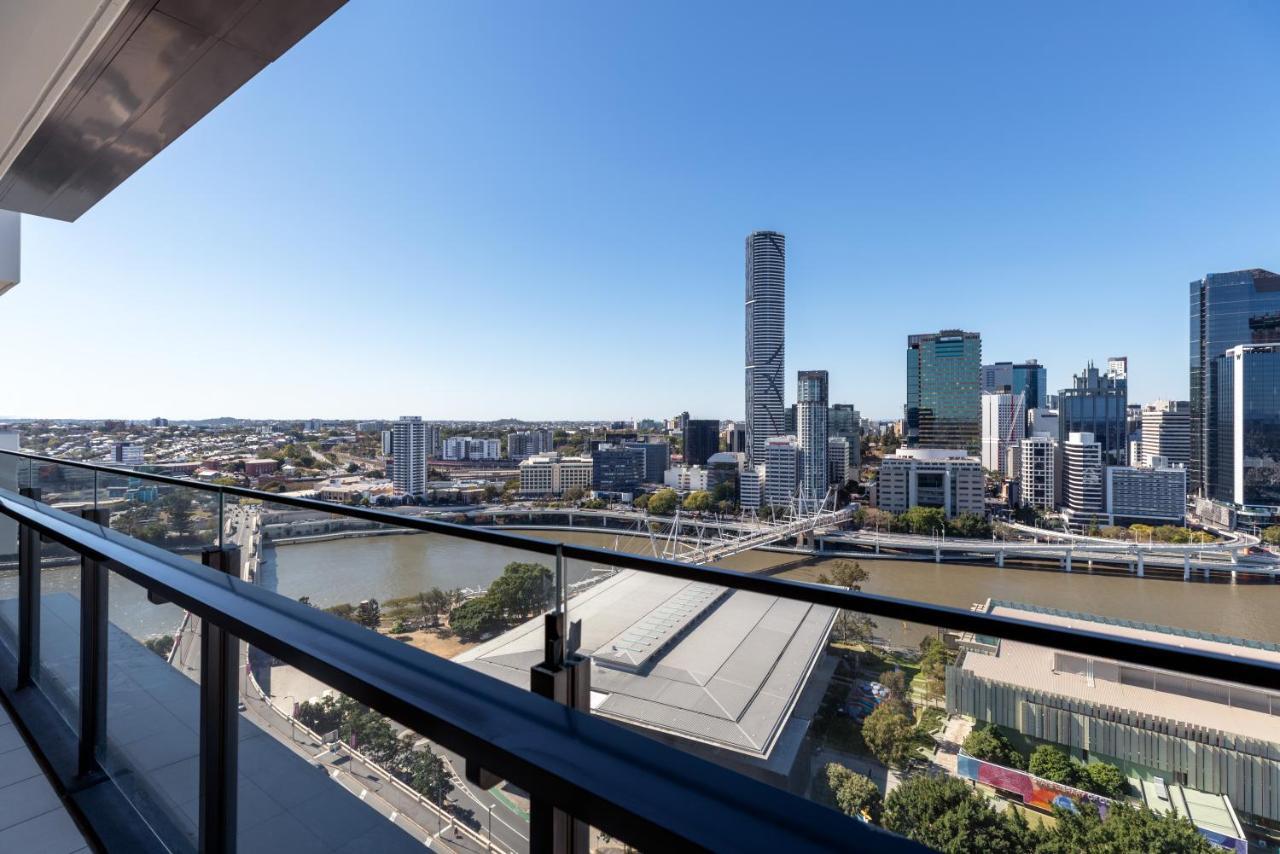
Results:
x,y
32,817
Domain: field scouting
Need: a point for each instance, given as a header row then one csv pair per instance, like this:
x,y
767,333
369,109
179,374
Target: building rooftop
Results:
x,y
1032,667
700,662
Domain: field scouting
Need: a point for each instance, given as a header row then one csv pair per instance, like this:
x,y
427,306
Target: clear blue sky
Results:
x,y
475,210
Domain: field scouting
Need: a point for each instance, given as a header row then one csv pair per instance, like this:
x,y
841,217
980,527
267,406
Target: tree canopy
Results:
x,y
990,744
663,502
890,734
855,794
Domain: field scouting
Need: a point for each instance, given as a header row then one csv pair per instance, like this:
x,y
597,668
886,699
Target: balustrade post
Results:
x,y
219,721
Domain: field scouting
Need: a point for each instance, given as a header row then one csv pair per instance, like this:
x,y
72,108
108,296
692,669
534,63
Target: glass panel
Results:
x,y
444,595
153,722
13,474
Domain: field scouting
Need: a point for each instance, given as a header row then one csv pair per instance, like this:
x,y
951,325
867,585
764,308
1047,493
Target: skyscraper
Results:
x,y
1098,405
1227,310
766,339
1246,389
701,440
409,449
1021,378
944,408
845,422
1003,425
811,428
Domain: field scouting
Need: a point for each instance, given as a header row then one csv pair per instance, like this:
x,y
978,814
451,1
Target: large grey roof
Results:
x,y
701,662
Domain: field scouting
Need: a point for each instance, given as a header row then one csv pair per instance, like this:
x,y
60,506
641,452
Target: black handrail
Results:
x,y
1231,668
650,794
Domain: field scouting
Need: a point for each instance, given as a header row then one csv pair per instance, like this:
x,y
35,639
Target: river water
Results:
x,y
386,567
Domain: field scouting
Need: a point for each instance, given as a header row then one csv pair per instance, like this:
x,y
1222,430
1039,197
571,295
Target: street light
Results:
x,y
490,809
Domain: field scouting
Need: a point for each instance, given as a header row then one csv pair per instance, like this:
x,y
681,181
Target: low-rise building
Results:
x,y
257,468
1211,735
686,478
950,480
552,474
467,448
127,454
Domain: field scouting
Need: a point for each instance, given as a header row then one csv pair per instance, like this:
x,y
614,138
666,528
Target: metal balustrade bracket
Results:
x,y
219,721
28,597
93,658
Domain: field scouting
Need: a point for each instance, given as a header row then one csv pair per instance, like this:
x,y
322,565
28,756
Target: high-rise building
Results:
x,y
409,448
789,420
1037,480
781,470
1118,367
618,470
1166,432
1246,391
1003,425
526,443
467,448
735,438
1098,405
840,469
845,422
657,458
1083,495
1043,421
944,373
1227,310
811,433
1021,378
701,440
1154,496
766,339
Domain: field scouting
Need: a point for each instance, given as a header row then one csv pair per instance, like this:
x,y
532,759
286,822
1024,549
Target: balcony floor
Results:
x,y
32,818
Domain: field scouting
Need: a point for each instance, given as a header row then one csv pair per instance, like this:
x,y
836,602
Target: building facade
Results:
x,y
781,477
686,478
1227,310
750,491
657,459
1097,404
765,339
467,448
944,378
1246,394
840,468
526,443
409,449
1003,425
617,470
1152,496
950,480
1166,432
1027,379
1083,492
552,474
126,454
701,439
844,421
811,438
1037,473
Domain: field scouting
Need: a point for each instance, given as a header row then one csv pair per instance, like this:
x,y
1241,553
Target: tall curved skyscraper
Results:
x,y
766,339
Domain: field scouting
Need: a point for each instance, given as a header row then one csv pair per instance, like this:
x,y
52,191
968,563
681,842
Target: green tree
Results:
x,y
855,794
663,502
1126,829
923,520
475,618
1051,763
946,815
574,494
934,660
177,508
896,681
890,734
848,574
1271,535
698,501
971,526
989,743
369,613
523,589
1102,778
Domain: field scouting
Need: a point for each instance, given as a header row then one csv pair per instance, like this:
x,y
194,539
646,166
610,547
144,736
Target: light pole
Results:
x,y
489,807
292,737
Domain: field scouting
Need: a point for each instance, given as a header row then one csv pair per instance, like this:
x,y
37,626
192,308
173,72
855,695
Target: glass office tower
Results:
x,y
1227,310
1246,391
944,393
1097,404
1019,378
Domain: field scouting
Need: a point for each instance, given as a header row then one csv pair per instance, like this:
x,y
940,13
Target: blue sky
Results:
x,y
478,210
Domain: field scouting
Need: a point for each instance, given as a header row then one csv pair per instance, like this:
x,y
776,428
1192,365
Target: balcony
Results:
x,y
629,700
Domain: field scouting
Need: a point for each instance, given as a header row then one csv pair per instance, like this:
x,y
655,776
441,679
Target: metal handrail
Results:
x,y
648,793
1164,656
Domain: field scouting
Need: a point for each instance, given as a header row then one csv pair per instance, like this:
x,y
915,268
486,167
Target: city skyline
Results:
x,y
904,206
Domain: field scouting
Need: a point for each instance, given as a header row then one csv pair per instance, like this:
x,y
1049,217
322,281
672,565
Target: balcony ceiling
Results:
x,y
90,90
